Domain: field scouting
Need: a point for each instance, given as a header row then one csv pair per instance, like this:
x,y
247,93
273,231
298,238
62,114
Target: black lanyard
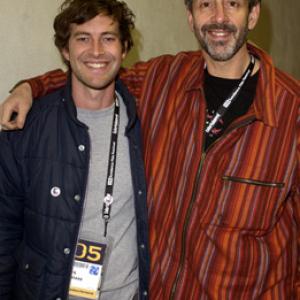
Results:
x,y
108,195
225,106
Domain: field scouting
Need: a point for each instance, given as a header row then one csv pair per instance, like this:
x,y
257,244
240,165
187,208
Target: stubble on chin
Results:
x,y
221,50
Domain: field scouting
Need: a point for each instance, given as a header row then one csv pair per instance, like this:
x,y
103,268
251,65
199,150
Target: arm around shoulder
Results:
x,y
14,109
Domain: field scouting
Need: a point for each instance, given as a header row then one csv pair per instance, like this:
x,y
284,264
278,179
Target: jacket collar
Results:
x,y
128,100
264,102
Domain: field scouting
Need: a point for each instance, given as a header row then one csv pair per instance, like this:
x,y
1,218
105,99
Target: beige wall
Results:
x,y
27,45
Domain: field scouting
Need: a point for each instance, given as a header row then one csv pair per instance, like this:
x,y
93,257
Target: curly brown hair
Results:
x,y
81,11
189,3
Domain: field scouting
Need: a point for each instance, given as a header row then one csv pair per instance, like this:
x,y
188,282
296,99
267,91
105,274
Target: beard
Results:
x,y
221,50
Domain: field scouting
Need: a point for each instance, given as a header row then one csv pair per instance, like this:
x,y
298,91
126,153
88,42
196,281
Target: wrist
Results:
x,y
23,89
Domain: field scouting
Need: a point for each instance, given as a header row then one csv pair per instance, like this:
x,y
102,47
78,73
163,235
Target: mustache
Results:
x,y
218,26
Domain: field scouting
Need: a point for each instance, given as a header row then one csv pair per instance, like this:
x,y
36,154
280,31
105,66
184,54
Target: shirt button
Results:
x,y
81,148
67,251
77,198
142,246
26,267
140,192
58,298
145,293
55,191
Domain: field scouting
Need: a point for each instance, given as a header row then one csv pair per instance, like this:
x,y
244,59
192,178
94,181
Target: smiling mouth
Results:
x,y
96,65
219,33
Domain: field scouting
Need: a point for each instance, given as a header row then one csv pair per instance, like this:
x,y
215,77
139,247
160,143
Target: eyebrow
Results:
x,y
102,33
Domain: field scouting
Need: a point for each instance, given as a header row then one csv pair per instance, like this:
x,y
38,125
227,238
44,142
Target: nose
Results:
x,y
220,13
97,48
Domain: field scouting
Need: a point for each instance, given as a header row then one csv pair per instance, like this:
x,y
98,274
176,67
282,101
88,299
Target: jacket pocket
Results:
x,y
247,203
30,275
255,182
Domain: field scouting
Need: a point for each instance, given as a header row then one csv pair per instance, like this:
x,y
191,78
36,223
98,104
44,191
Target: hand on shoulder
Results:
x,y
15,107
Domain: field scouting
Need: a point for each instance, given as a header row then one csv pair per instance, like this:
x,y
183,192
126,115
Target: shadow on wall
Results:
x,y
262,34
134,54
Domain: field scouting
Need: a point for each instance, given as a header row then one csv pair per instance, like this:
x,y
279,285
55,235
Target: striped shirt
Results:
x,y
225,222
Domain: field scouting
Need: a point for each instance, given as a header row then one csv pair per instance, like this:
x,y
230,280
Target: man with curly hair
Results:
x,y
73,217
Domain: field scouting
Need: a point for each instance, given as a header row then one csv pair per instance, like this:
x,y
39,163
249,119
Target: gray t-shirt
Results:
x,y
121,276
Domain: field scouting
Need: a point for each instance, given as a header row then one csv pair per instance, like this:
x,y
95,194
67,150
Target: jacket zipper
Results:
x,y
188,216
193,198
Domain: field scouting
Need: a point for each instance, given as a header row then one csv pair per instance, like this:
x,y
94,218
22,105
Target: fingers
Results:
x,y
14,109
21,117
13,119
10,126
7,121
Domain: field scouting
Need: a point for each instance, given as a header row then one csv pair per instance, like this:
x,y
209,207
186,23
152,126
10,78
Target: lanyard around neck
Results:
x,y
235,93
108,195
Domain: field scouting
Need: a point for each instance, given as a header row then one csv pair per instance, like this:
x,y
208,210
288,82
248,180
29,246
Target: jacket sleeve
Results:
x,y
134,78
297,216
11,217
53,80
44,84
296,285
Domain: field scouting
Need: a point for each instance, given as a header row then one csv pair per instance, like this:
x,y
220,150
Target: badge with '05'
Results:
x,y
87,269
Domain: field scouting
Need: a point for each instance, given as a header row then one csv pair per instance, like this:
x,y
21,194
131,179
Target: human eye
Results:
x,y
82,38
205,4
109,38
233,4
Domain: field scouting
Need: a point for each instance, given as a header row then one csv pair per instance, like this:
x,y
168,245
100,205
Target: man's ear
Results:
x,y
65,53
253,16
125,50
190,19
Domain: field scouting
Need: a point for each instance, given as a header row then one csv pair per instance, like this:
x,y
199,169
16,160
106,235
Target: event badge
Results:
x,y
88,269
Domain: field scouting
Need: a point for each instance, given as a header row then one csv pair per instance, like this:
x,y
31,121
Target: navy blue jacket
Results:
x,y
38,227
